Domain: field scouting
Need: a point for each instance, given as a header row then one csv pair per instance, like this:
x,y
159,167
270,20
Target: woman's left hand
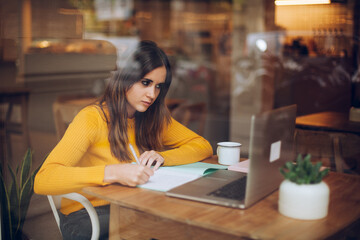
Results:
x,y
149,158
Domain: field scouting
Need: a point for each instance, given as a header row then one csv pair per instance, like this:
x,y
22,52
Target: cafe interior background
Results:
x,y
238,57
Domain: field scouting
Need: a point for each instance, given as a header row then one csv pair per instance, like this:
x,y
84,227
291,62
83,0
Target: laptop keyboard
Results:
x,y
233,190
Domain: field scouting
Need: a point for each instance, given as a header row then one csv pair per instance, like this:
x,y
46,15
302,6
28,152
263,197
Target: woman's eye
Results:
x,y
158,86
145,82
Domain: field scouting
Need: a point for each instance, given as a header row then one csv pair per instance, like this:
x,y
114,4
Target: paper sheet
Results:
x,y
164,180
242,166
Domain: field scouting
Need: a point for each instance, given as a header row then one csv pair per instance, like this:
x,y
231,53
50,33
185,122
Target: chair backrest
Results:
x,y
55,202
191,115
65,109
173,103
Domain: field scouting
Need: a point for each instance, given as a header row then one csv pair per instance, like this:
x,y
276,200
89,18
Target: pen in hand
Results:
x,y
133,152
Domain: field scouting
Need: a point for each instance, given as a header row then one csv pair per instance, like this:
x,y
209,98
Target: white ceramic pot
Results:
x,y
304,201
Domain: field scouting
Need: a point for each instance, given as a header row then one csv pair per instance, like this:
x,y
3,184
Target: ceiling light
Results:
x,y
261,45
300,2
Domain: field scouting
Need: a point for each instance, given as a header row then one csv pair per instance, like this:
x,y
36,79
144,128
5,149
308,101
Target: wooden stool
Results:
x,y
11,97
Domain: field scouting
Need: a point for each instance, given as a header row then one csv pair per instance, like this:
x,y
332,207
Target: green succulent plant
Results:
x,y
303,172
15,196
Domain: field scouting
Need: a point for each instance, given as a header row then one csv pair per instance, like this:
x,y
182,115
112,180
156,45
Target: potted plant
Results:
x,y
15,197
303,194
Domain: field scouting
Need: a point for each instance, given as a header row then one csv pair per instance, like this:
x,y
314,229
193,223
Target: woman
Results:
x,y
94,151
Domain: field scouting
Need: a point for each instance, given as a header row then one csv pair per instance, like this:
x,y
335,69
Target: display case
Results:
x,y
63,59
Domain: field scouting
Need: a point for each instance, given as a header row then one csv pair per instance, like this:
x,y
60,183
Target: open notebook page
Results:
x,y
166,178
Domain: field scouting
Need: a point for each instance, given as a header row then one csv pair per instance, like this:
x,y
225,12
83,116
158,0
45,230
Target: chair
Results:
x,y
65,109
191,115
173,103
55,204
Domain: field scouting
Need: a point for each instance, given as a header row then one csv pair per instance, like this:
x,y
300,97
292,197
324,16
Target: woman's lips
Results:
x,y
146,103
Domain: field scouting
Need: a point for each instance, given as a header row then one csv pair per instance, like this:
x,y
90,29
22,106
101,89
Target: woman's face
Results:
x,y
144,92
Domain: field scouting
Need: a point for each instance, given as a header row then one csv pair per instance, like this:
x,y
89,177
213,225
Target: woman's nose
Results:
x,y
151,92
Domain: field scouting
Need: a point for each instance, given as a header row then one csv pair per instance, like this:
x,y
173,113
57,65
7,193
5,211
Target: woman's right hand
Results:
x,y
127,174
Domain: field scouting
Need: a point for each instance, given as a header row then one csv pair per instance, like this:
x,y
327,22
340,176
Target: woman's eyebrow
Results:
x,y
147,79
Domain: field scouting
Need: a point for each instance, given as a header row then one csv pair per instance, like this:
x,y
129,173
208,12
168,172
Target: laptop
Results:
x,y
271,145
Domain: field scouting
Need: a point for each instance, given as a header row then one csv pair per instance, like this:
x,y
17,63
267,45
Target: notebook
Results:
x,y
271,145
166,178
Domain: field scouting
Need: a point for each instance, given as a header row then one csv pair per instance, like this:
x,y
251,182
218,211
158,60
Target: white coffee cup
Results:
x,y
228,152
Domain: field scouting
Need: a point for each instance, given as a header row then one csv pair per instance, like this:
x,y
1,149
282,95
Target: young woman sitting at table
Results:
x,y
95,151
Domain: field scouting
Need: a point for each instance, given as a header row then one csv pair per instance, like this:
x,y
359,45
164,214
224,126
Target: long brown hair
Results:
x,y
149,125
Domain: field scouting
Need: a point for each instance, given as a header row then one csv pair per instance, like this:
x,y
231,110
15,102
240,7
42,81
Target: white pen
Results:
x,y
133,152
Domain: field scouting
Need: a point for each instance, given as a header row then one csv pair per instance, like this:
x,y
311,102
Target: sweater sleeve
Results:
x,y
186,146
63,171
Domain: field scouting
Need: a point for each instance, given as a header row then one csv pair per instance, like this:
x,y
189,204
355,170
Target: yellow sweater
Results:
x,y
79,159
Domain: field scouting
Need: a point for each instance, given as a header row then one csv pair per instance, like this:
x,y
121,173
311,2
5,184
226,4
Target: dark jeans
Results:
x,y
77,225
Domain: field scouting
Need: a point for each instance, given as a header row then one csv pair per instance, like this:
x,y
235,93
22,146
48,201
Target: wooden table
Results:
x,y
137,213
328,121
329,135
